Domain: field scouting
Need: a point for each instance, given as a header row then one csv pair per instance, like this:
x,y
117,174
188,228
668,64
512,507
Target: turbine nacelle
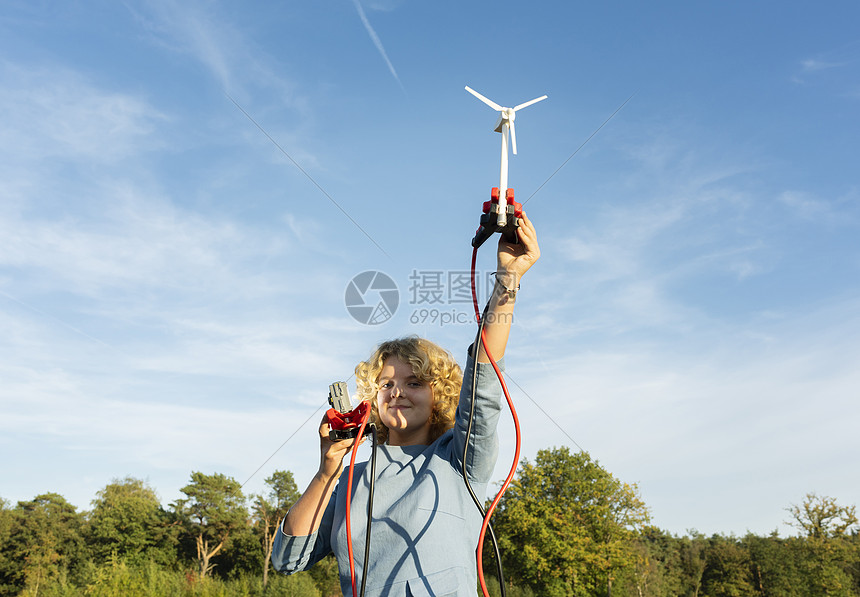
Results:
x,y
507,116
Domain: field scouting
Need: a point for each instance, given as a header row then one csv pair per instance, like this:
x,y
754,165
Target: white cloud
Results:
x,y
377,42
764,407
812,65
830,63
703,403
385,5
56,113
230,56
836,211
138,240
191,27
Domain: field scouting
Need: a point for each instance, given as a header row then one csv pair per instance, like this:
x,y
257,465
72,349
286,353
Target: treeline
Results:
x,y
566,527
214,542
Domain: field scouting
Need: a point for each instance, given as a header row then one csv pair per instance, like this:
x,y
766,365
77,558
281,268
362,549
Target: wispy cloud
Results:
x,y
665,313
56,112
377,42
198,30
840,211
812,65
385,5
833,63
137,240
721,399
191,27
129,331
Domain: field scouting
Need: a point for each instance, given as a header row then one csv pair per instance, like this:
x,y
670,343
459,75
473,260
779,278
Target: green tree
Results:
x,y
852,547
727,569
8,566
565,526
776,566
824,564
127,521
822,517
270,509
693,561
657,567
826,547
43,546
213,510
242,559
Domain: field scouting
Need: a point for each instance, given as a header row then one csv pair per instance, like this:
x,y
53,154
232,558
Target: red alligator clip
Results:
x,y
345,425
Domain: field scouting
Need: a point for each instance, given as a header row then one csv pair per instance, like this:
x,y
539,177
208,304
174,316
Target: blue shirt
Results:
x,y
425,525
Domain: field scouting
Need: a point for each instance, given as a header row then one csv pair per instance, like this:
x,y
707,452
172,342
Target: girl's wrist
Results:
x,y
329,469
507,284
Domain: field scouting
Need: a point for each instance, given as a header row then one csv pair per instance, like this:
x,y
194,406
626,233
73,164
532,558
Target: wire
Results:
x,y
308,176
513,470
480,320
349,502
597,130
369,506
553,421
282,445
489,513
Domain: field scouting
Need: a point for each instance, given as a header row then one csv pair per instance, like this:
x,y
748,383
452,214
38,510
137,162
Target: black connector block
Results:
x,y
337,435
490,218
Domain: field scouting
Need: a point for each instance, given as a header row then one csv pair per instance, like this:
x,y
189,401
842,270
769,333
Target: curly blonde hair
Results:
x,y
431,364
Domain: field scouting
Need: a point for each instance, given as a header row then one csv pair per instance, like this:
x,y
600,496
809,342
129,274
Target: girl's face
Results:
x,y
404,403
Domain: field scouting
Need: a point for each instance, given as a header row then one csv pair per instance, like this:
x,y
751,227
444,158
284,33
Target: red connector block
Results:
x,y
345,425
490,217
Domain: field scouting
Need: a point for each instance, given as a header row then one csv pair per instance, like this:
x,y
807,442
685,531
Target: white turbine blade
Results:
x,y
529,103
490,103
513,137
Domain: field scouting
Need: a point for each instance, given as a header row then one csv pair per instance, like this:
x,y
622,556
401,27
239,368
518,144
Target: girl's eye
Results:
x,y
386,384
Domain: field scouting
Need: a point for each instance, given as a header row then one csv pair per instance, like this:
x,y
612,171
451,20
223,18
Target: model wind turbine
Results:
x,y
504,125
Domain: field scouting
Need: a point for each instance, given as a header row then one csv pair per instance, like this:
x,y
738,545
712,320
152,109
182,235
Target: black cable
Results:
x,y
369,506
478,504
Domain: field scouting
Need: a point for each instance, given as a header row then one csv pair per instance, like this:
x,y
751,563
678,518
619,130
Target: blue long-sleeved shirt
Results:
x,y
425,525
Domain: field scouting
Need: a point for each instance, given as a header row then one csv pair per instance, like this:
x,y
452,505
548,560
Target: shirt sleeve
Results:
x,y
483,442
291,554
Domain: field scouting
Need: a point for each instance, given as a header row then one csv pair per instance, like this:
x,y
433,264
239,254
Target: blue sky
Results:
x,y
172,284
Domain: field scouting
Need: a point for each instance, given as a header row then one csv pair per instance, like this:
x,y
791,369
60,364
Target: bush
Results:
x,y
297,585
512,591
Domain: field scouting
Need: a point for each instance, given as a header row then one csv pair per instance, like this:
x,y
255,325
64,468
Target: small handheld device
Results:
x,y
344,420
338,397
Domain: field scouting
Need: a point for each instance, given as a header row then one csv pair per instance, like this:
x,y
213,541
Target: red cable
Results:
x,y
510,474
349,501
516,461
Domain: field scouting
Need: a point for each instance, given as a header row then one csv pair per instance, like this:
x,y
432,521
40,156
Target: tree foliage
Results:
x,y
270,509
44,545
128,522
567,527
565,524
728,568
822,516
212,512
